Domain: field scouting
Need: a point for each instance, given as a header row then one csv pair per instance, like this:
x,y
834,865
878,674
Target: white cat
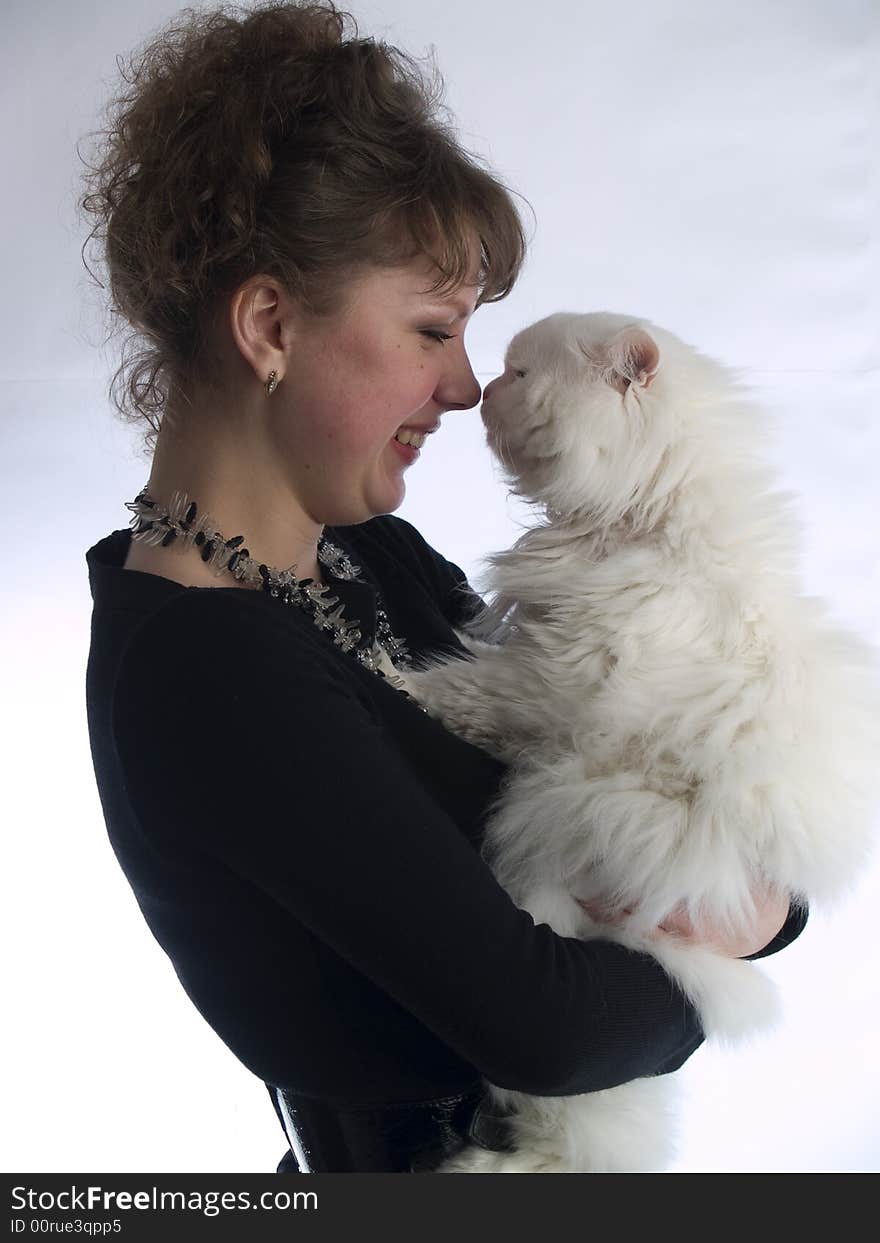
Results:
x,y
682,724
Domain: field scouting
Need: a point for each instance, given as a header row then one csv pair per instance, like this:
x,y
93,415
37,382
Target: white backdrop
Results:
x,y
712,166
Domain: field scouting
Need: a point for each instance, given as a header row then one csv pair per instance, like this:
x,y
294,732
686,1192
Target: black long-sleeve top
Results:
x,y
303,842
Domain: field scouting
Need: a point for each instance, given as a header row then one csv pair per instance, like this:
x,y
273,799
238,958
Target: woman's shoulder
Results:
x,y
201,655
144,623
400,557
388,537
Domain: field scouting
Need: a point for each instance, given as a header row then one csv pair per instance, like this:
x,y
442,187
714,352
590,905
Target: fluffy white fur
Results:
x,y
681,722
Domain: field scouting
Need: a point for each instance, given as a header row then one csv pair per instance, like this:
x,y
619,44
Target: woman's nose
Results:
x,y
460,389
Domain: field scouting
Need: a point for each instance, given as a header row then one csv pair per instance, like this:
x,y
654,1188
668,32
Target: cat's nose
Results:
x,y
488,389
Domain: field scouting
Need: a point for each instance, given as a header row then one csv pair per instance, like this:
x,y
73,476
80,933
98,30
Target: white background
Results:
x,y
711,166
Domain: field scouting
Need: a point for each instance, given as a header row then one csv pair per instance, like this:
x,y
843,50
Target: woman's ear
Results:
x,y
262,320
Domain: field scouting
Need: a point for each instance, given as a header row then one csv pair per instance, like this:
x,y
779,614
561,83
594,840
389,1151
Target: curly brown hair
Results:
x,y
265,141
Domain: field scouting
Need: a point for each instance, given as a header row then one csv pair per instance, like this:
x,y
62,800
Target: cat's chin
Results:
x,y
533,479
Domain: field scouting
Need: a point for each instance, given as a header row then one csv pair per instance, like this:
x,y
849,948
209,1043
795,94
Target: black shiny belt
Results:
x,y
405,1139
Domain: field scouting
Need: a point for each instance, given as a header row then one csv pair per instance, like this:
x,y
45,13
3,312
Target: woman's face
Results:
x,y
355,378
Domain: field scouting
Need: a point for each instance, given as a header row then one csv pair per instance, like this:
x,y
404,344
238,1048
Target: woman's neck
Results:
x,y
240,497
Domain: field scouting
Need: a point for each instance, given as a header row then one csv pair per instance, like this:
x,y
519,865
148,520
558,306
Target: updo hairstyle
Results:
x,y
268,142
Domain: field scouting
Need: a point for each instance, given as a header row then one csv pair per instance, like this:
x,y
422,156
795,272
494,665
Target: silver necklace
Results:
x,y
153,524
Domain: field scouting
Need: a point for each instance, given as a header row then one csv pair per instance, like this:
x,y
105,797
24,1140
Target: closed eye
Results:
x,y
436,335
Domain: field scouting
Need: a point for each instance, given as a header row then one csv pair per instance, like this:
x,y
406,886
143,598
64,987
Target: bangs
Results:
x,y
460,205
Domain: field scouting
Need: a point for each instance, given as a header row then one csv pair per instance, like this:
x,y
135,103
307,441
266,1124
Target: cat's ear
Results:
x,y
633,357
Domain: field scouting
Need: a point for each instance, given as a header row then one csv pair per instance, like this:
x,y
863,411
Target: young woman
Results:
x,y
299,243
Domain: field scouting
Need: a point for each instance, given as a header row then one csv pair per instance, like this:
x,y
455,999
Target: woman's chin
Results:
x,y
388,496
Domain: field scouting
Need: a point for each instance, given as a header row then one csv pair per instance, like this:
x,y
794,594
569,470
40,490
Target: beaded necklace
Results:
x,y
153,524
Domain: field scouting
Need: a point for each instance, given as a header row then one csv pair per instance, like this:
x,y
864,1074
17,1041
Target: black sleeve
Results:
x,y
792,928
279,769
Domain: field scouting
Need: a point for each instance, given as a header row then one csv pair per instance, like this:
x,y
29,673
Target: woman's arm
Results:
x,y
284,775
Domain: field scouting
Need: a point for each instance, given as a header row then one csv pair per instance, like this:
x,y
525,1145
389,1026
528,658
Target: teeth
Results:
x,y
407,437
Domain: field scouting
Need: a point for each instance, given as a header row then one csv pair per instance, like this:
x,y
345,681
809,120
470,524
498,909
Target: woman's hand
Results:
x,y
771,912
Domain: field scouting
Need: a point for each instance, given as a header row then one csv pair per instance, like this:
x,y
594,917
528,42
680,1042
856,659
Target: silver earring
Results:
x,y
272,383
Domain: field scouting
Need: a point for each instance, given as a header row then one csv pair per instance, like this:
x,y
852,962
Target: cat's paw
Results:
x,y
430,687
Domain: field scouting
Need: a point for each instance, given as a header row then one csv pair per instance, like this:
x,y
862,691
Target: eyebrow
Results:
x,y
431,300
463,310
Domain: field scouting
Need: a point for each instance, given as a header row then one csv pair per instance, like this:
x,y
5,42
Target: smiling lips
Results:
x,y
408,437
415,436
